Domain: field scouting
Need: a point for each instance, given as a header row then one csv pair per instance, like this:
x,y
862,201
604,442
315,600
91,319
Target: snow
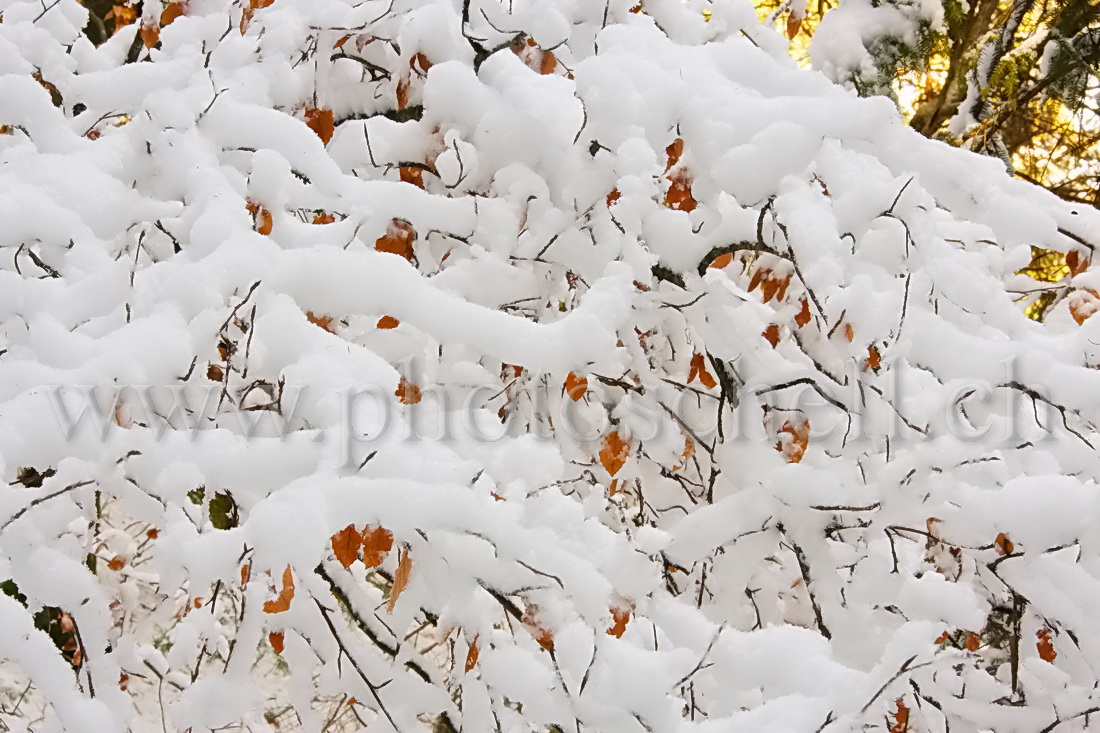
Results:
x,y
763,594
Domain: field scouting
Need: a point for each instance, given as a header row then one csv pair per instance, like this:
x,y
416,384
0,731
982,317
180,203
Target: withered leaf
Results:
x,y
472,654
674,150
150,35
323,322
388,322
548,63
1045,646
321,122
576,386
286,595
345,545
620,618
803,316
679,192
171,12
722,261
412,174
275,638
376,544
407,392
771,334
614,453
873,359
901,717
794,24
699,371
400,578
398,239
794,438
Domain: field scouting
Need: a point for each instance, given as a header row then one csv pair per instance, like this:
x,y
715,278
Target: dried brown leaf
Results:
x,y
614,453
345,545
376,544
286,595
400,578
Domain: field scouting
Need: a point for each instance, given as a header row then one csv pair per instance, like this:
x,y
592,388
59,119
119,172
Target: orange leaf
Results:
x,y
323,218
471,655
614,453
793,447
376,543
758,276
637,9
150,35
398,239
873,359
123,16
407,392
324,322
400,579
342,41
771,333
123,681
421,61
1076,263
770,288
803,316
78,658
116,563
620,619
549,63
261,218
782,291
321,122
412,174
674,151
901,718
388,322
722,261
699,369
403,93
214,373
794,24
613,197
575,386
171,12
286,595
152,533
1003,544
679,192
275,638
689,449
1083,303
246,573
973,641
345,545
542,635
1045,646
942,638
849,333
